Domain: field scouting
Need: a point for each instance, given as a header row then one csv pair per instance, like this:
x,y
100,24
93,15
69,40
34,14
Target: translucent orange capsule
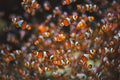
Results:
x,y
84,59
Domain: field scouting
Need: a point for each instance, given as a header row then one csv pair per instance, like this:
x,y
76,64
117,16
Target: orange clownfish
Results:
x,y
34,4
67,2
69,20
21,23
59,38
40,54
81,25
30,3
30,6
91,7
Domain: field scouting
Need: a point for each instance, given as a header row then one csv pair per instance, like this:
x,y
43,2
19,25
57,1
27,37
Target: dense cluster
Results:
x,y
76,40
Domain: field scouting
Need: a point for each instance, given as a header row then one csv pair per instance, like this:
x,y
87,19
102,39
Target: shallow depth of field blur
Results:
x,y
59,39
